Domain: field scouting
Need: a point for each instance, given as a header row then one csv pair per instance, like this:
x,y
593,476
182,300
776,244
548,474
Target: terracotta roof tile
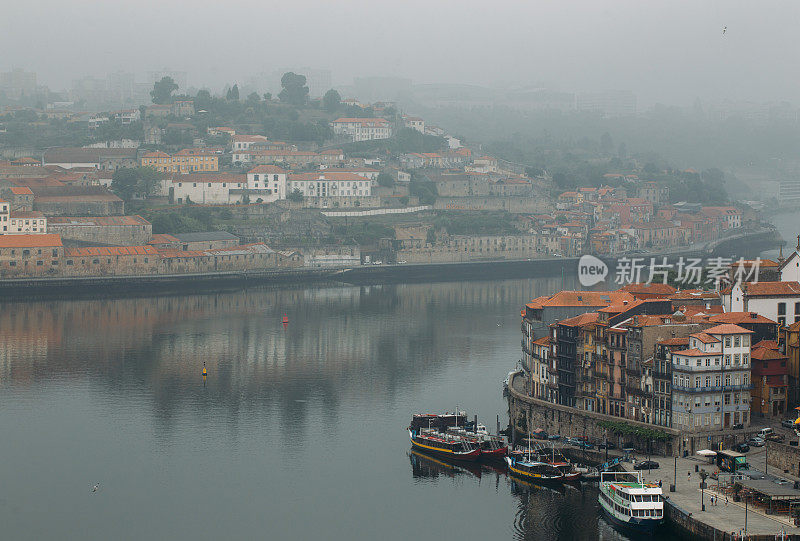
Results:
x,y
47,240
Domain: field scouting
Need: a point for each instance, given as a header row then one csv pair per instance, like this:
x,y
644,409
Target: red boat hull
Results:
x,y
496,454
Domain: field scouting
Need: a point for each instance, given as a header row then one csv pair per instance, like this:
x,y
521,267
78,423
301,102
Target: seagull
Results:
x,y
96,487
499,325
724,29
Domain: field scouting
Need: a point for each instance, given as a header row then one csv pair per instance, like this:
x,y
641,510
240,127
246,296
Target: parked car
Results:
x,y
553,437
646,465
764,433
586,445
787,423
741,447
775,437
738,426
755,441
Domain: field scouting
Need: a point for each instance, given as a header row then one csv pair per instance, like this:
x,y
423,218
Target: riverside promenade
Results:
x,y
725,518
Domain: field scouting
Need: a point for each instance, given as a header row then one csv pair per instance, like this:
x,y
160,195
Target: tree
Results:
x,y
268,96
294,89
331,100
162,90
203,100
385,179
296,196
253,98
233,93
129,182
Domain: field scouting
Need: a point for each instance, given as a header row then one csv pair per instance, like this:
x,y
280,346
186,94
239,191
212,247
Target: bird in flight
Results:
x,y
96,487
724,29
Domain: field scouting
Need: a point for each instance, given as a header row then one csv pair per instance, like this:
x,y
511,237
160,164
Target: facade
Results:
x,y
208,188
778,301
711,380
30,255
189,160
113,230
271,178
662,379
29,223
790,340
330,184
770,381
362,129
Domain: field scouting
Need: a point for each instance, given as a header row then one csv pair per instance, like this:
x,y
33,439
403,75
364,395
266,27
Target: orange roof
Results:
x,y
581,320
32,214
771,289
162,238
740,317
705,338
728,328
73,251
581,298
695,353
769,344
21,190
650,289
766,354
682,341
267,169
694,294
47,240
156,154
544,341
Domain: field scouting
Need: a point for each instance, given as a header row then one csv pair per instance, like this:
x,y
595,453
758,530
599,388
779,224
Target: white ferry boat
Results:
x,y
629,503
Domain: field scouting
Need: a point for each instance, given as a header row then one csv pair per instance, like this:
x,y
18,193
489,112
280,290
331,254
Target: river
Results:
x,y
298,432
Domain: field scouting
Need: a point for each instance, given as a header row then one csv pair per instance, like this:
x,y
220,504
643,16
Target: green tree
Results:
x,y
233,93
294,89
129,182
203,100
163,89
253,98
331,100
267,96
296,196
385,179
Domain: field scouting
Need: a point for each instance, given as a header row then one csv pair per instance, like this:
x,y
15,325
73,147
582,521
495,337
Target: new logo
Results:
x,y
591,270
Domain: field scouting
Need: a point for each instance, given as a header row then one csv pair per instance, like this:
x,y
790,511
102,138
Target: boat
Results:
x,y
439,421
629,503
492,447
444,445
529,469
552,457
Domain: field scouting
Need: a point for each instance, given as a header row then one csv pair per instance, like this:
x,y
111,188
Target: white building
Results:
x,y
362,129
208,188
711,380
415,123
778,301
244,142
126,116
326,184
366,172
790,267
29,223
270,178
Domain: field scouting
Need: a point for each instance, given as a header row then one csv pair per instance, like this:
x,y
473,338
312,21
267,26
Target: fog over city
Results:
x,y
664,52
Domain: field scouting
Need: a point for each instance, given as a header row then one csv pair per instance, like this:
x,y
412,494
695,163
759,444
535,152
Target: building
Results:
x,y
790,267
126,116
30,255
770,375
362,129
778,301
566,304
270,178
113,230
790,341
27,222
189,160
414,123
662,378
244,142
208,188
711,380
330,184
106,159
209,240
763,328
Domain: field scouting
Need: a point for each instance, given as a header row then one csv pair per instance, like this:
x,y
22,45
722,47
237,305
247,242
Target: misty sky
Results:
x,y
667,51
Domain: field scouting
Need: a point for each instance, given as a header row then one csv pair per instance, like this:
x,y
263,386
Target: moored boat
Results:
x,y
444,445
492,447
533,470
629,503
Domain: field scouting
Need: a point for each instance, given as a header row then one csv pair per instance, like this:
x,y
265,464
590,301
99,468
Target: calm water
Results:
x,y
297,434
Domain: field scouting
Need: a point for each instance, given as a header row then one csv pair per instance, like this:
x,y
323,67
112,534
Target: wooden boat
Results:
x,y
533,470
444,445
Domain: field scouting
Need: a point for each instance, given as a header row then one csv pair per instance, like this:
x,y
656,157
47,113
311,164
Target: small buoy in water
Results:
x,y
204,370
285,321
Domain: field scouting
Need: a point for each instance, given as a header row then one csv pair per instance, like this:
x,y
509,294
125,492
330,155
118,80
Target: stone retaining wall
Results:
x,y
784,457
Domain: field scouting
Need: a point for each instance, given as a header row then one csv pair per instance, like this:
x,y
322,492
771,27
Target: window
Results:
x,y
727,399
736,341
727,341
728,359
727,380
781,308
717,380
